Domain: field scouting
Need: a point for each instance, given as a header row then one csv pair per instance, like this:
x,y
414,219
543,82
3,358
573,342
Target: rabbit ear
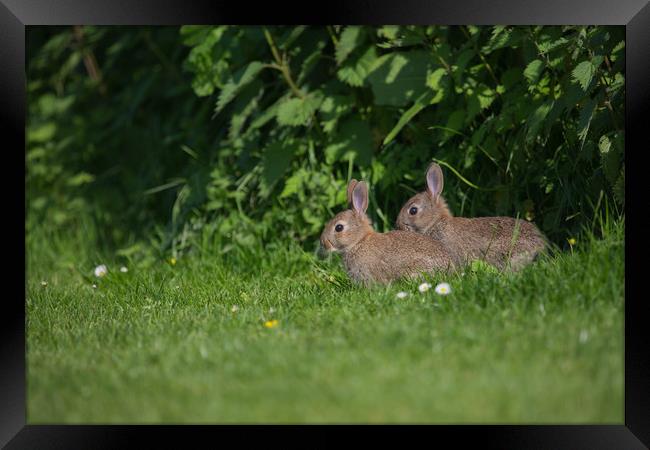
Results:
x,y
360,197
434,180
351,186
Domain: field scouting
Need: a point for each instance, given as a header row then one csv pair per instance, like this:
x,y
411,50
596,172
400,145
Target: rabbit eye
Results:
x,y
338,228
413,211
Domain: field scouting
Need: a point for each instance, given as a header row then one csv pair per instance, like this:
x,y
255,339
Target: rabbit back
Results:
x,y
384,257
500,241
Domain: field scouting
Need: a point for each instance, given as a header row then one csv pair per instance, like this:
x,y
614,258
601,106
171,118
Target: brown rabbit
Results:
x,y
369,256
500,241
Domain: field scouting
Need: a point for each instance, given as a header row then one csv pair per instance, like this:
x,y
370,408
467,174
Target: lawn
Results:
x,y
187,342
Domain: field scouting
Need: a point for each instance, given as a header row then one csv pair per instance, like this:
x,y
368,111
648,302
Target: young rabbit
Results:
x,y
500,241
369,256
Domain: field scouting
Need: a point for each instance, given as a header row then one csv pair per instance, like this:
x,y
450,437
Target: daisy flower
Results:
x,y
443,289
424,287
123,269
234,308
402,294
101,270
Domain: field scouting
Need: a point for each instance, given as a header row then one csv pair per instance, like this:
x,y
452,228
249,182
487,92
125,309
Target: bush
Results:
x,y
253,132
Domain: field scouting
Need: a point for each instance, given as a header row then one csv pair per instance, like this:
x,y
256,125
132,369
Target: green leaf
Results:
x,y
611,155
299,111
586,114
583,73
80,178
355,73
353,142
501,37
536,119
41,133
434,79
244,106
421,102
275,161
454,124
547,46
479,266
533,71
619,187
332,109
243,77
350,38
400,77
293,184
268,114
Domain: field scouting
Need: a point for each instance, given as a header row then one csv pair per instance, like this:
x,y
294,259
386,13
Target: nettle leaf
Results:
x,y
332,109
355,73
533,70
310,62
244,106
80,178
275,161
352,142
351,37
455,123
435,78
611,156
586,114
619,187
583,73
604,144
299,111
294,183
269,113
501,37
421,103
388,31
243,77
485,96
536,119
400,77
547,46
210,67
463,59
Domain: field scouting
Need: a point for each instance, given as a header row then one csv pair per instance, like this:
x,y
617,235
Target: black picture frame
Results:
x,y
15,15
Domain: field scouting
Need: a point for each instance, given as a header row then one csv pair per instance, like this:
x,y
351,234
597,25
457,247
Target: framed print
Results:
x,y
386,214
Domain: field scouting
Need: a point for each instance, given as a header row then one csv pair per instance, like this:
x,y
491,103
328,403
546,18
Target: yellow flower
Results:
x,y
271,323
172,261
572,241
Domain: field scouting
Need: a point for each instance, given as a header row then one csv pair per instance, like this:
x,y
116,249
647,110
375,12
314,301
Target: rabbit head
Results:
x,y
349,227
423,210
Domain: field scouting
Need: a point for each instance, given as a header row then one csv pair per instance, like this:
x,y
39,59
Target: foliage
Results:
x,y
258,134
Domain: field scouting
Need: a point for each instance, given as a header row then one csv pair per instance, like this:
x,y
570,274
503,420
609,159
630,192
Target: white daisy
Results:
x,y
443,289
94,286
43,283
402,294
101,270
123,269
424,287
234,308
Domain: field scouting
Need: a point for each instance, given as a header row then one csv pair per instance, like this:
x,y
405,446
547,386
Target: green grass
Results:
x,y
161,343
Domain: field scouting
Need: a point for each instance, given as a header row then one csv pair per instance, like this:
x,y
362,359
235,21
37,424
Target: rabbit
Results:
x,y
372,257
500,241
